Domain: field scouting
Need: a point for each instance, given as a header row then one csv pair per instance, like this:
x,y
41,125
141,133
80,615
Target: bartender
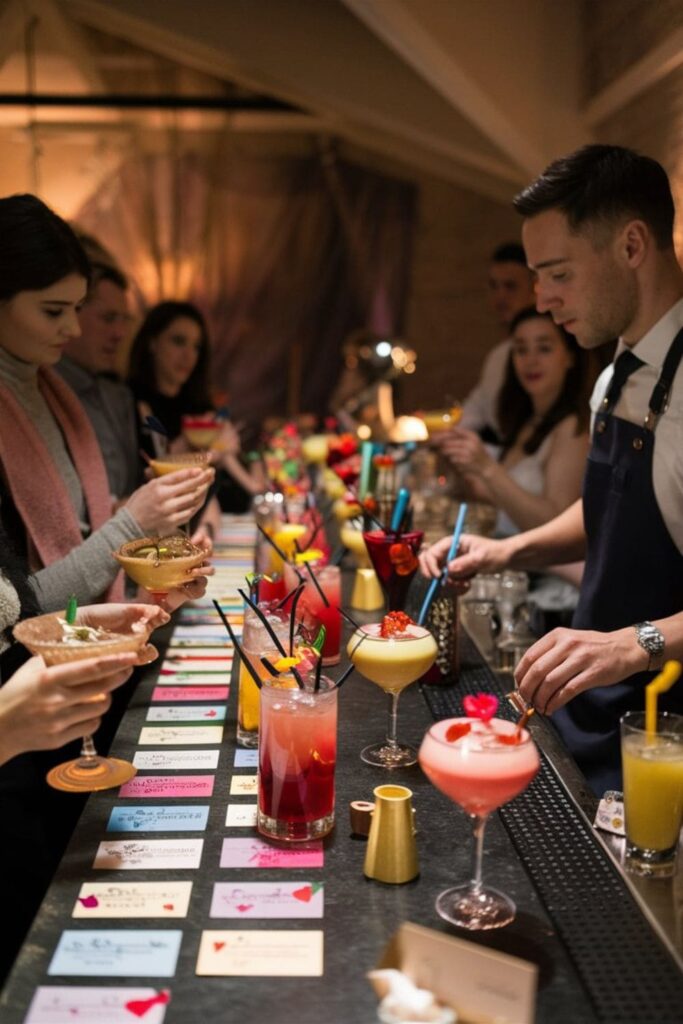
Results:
x,y
598,234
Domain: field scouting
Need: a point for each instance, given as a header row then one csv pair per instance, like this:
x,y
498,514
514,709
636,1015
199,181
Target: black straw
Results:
x,y
292,616
272,543
264,620
269,665
348,618
287,597
318,673
252,671
317,585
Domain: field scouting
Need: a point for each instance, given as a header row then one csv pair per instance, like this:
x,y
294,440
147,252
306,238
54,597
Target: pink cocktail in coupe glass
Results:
x,y
480,765
297,758
394,559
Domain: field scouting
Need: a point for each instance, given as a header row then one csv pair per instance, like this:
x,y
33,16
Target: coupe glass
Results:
x,y
394,559
480,771
44,635
160,564
171,462
200,431
392,663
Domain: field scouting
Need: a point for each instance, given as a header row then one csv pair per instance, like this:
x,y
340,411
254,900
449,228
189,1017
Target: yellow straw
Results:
x,y
660,684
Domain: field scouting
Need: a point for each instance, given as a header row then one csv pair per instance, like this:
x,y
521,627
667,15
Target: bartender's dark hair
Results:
x,y
514,404
37,248
606,185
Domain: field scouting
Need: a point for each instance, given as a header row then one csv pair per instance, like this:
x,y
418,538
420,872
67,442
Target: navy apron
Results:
x,y
633,573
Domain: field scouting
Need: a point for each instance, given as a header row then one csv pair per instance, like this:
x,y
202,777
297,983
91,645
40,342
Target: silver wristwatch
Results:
x,y
651,640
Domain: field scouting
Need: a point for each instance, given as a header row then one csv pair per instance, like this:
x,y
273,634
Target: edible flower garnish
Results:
x,y
383,461
482,706
394,624
456,731
403,559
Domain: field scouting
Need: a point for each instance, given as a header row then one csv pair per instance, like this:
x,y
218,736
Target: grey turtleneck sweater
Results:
x,y
89,569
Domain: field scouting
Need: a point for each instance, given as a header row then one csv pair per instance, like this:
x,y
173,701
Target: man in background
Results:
x,y
511,289
89,367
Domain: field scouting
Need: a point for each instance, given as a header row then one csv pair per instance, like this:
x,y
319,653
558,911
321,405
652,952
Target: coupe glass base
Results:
x,y
381,755
477,910
90,774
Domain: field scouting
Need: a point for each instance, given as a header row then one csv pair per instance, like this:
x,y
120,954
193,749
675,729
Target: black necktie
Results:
x,y
626,364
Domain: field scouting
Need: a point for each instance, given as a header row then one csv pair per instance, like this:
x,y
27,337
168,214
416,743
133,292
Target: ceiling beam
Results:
x,y
640,76
397,28
13,20
66,36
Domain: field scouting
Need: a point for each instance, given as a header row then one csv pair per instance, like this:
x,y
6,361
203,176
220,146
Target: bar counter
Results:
x,y
598,954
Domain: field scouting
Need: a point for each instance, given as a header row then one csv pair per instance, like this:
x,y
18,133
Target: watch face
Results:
x,y
651,639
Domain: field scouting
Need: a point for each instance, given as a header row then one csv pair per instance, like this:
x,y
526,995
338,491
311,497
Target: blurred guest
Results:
x,y
169,376
511,289
89,366
543,415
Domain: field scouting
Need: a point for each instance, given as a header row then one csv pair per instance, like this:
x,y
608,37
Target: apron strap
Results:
x,y
660,394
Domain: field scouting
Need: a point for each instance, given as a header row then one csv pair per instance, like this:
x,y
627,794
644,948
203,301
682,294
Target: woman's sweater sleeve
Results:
x,y
89,569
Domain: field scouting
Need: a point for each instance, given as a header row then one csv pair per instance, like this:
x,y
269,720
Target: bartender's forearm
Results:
x,y
561,540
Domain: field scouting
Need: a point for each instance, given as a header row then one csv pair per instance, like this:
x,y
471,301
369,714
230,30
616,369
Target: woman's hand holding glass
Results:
x,y
466,451
168,502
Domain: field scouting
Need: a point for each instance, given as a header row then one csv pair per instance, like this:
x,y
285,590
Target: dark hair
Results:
x,y
104,272
509,252
604,184
141,377
514,404
37,248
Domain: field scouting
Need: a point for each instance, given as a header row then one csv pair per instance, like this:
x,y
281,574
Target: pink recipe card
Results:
x,y
267,899
257,853
164,693
53,1004
168,785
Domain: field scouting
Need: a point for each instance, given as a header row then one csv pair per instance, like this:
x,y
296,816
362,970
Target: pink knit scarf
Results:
x,y
37,489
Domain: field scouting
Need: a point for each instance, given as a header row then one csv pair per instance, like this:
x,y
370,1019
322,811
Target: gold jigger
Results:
x,y
367,594
392,852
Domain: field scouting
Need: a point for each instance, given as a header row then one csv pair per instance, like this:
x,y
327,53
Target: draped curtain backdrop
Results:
x,y
284,256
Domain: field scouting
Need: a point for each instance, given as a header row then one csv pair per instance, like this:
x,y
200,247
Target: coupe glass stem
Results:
x,y
391,728
88,752
478,827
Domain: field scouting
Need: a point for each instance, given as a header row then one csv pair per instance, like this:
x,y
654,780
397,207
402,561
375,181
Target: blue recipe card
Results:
x,y
117,953
181,818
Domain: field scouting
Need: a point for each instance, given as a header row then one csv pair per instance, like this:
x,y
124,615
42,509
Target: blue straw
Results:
x,y
455,540
399,509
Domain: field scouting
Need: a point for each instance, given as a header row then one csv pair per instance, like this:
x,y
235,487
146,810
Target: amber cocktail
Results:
x,y
160,564
172,462
57,642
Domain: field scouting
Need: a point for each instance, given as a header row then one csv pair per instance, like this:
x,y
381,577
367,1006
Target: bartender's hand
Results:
x,y
122,618
475,554
566,662
43,708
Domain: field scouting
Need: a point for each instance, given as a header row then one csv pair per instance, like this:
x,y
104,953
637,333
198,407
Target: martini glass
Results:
x,y
480,766
160,564
394,558
392,663
57,643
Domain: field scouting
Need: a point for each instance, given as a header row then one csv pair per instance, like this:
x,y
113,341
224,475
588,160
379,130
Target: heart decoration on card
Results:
x,y
169,906
210,714
304,894
139,1007
218,946
244,907
89,901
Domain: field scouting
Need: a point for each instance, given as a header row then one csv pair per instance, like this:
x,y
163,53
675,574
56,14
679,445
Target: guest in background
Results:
x,y
54,494
542,413
169,376
511,289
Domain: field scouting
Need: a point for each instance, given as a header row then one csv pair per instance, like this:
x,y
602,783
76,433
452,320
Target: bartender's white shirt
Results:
x,y
633,406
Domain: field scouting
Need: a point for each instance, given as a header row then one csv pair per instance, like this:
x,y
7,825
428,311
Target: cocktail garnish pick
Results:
x,y
660,684
264,621
455,540
252,671
292,615
71,609
399,509
319,641
317,586
482,706
156,425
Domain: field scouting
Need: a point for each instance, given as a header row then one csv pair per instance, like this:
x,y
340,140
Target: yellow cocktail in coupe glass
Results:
x,y
174,461
200,431
392,654
441,419
57,642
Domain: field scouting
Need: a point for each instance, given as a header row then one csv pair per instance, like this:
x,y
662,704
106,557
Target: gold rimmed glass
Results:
x,y
173,462
47,636
160,564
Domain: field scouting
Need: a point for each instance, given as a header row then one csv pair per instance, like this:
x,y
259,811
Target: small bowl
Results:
x,y
43,633
183,460
157,577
